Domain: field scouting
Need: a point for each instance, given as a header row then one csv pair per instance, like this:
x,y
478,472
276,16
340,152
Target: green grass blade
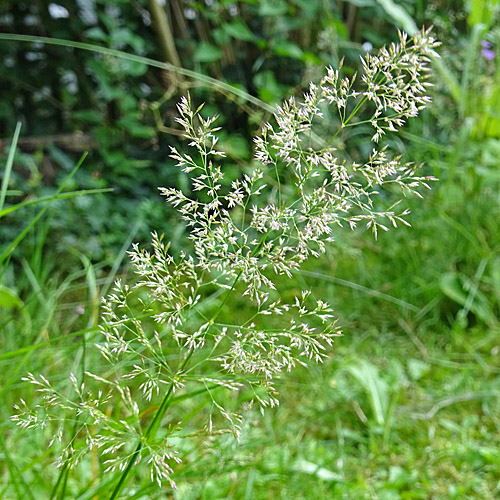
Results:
x,y
361,288
63,196
35,284
10,248
24,350
121,254
124,476
376,388
447,76
58,482
8,166
466,89
11,468
400,16
90,493
15,477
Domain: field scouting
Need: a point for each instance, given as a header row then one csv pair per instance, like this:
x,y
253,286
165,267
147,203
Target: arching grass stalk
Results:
x,y
202,79
245,235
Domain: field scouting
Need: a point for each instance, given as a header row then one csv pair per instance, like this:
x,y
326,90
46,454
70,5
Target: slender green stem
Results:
x,y
349,118
150,431
279,184
62,494
126,471
58,482
218,85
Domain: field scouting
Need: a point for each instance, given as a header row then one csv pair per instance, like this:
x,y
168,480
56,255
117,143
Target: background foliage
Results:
x,y
408,407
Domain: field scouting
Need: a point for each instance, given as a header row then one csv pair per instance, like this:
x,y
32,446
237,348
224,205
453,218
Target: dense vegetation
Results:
x,y
407,405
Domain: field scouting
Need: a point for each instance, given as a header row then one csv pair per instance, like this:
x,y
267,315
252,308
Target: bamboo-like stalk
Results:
x,y
164,33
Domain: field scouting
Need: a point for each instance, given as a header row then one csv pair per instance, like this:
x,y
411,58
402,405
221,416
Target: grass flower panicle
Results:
x,y
174,326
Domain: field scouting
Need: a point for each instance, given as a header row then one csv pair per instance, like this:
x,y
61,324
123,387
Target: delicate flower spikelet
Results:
x,y
282,212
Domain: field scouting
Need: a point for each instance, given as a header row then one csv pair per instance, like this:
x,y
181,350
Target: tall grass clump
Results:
x,y
219,315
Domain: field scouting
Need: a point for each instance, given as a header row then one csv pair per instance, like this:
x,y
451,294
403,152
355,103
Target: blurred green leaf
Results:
x,y
313,469
482,11
288,49
121,37
133,68
417,368
89,116
135,128
269,89
96,33
235,146
311,58
273,7
495,276
399,14
239,30
453,286
9,298
363,3
206,52
376,388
